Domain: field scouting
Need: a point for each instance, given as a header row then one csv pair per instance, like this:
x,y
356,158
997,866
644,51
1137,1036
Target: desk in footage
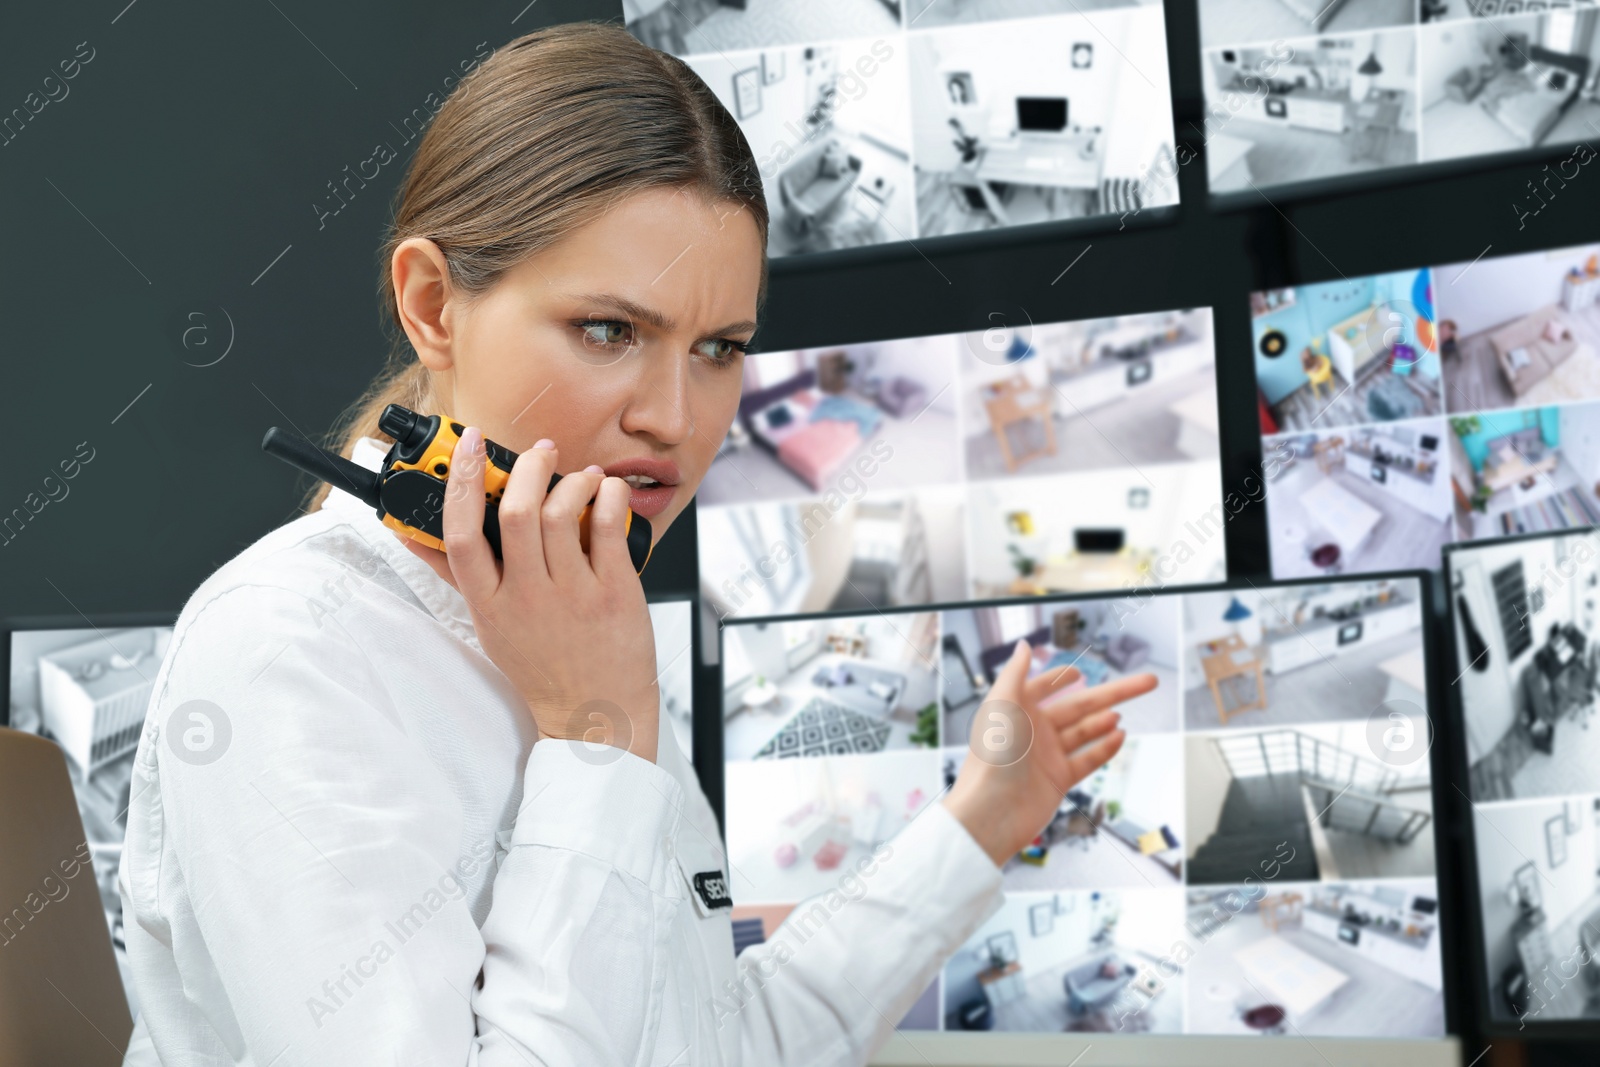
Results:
x,y
1053,163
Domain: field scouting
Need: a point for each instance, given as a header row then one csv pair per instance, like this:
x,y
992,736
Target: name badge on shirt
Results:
x,y
711,891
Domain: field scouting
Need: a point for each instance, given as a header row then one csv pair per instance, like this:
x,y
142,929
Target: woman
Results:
x,y
394,806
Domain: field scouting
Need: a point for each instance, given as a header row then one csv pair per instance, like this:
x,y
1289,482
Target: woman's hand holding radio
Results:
x,y
571,630
1030,743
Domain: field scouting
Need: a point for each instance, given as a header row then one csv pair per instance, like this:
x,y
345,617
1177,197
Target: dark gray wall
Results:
x,y
186,172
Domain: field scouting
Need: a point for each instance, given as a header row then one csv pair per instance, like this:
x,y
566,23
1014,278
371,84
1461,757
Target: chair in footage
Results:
x,y
1326,558
902,397
1589,940
1265,1018
1319,372
1280,909
1330,454
1017,400
1127,652
814,185
1093,984
1080,828
1584,713
61,996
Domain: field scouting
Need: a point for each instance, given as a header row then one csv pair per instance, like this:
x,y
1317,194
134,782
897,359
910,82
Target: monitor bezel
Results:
x,y
698,727
1481,1001
945,1047
709,776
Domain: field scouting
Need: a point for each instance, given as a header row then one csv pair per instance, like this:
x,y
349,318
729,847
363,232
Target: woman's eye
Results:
x,y
721,350
607,334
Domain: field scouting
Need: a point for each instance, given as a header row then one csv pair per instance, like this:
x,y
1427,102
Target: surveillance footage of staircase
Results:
x,y
1317,809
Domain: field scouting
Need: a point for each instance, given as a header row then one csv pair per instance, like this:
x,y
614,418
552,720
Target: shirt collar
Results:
x,y
437,595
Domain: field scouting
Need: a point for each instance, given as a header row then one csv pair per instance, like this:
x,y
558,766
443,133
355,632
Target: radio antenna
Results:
x,y
323,465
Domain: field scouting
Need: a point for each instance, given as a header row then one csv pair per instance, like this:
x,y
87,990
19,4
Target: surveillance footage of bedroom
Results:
x,y
1045,458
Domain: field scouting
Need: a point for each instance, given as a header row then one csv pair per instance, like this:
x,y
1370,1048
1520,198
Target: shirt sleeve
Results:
x,y
849,964
326,864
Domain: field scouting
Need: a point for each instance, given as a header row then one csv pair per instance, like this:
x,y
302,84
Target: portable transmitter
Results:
x,y
408,489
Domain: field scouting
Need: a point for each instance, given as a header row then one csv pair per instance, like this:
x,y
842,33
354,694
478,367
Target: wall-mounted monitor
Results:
x,y
1050,458
86,688
1258,861
1405,411
1310,92
1524,629
875,121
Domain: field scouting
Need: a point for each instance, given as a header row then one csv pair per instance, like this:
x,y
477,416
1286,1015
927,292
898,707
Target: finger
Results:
x,y
608,532
1050,683
1008,684
521,532
1081,733
470,557
1007,688
431,556
1070,707
563,508
1086,761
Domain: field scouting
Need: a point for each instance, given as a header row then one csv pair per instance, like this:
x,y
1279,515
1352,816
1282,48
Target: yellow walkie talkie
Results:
x,y
408,489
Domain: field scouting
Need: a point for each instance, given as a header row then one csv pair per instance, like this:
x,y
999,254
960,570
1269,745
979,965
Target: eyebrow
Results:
x,y
650,316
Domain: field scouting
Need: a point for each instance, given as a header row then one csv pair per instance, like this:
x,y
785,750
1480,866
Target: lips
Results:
x,y
652,482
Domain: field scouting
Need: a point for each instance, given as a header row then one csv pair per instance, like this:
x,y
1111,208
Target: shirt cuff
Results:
x,y
937,863
605,803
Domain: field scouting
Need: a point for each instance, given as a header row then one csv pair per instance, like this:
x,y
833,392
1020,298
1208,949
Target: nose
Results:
x,y
660,405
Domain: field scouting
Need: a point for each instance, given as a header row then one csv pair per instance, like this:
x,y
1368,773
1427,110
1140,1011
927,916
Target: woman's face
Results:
x,y
623,343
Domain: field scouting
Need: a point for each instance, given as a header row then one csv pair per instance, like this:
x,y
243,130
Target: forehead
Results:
x,y
671,248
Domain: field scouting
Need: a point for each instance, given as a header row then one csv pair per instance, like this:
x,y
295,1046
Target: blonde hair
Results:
x,y
541,138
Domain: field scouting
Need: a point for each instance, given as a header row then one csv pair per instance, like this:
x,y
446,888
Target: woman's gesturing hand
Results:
x,y
1030,743
571,630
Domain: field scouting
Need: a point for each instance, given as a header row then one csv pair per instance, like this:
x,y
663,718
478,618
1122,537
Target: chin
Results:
x,y
660,524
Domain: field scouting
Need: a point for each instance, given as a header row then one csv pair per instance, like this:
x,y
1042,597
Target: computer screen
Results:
x,y
1258,859
1405,411
1313,93
876,121
1044,113
87,689
1052,457
1523,616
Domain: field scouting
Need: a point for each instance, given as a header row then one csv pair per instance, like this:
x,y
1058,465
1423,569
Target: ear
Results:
x,y
422,292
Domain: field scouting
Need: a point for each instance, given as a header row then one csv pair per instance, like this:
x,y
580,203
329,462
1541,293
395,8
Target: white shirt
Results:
x,y
378,865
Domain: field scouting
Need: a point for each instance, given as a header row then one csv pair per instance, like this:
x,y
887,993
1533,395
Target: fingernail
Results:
x,y
544,442
1021,644
594,468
